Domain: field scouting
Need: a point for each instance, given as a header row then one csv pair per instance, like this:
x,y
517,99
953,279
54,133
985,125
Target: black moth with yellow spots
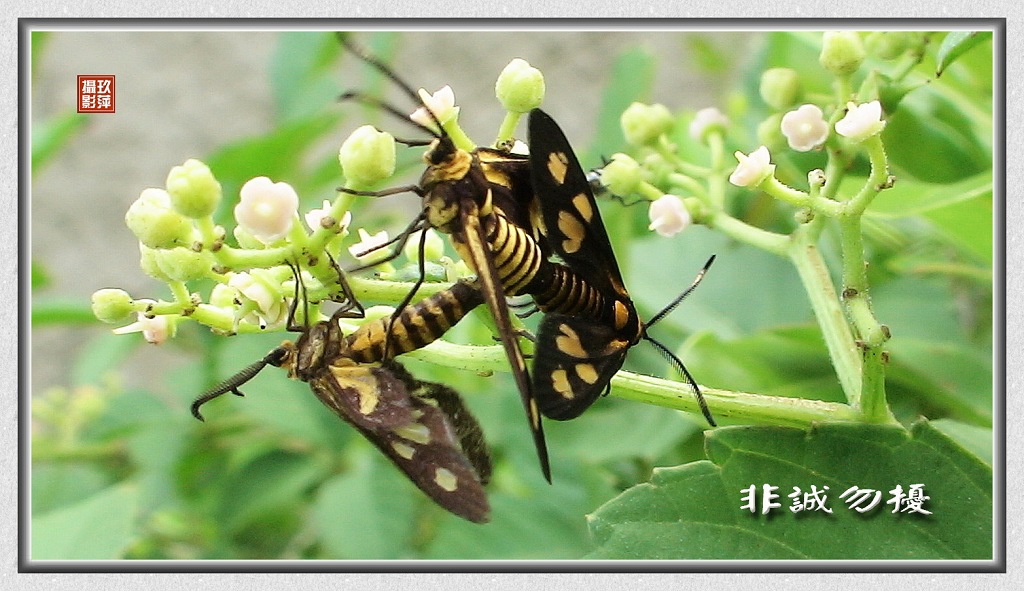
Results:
x,y
422,427
481,200
507,215
578,352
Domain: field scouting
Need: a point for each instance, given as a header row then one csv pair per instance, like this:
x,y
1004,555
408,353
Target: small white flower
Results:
x,y
270,310
753,168
668,215
805,128
315,217
861,121
155,330
705,120
368,249
267,209
441,104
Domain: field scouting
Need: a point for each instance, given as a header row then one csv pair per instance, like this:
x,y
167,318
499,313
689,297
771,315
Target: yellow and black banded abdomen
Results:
x,y
416,326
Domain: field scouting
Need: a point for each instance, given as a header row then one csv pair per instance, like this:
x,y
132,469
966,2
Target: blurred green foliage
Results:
x,y
129,474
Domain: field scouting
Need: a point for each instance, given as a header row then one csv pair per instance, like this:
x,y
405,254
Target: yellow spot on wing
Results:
x,y
557,166
582,204
560,382
569,342
586,372
406,451
414,432
573,230
446,479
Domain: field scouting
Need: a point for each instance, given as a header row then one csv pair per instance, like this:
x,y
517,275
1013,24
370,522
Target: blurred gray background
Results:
x,y
182,94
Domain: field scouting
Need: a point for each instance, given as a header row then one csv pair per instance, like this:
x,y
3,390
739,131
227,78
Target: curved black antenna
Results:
x,y
232,384
355,95
672,306
689,379
399,242
390,74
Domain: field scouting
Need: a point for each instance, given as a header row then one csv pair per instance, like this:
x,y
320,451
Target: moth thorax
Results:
x,y
310,351
445,163
441,206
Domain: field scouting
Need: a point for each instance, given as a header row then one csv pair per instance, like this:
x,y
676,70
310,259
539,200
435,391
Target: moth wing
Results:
x,y
575,361
414,434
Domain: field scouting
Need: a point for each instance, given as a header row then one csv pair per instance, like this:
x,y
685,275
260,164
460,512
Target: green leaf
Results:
x,y
631,78
962,211
586,440
937,138
368,512
56,310
40,276
49,136
303,73
272,481
696,511
99,527
957,43
105,353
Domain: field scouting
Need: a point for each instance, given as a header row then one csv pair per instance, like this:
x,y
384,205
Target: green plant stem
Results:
x,y
827,309
741,407
870,333
763,239
508,127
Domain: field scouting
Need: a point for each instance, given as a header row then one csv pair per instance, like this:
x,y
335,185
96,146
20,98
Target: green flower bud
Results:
x,y
149,264
433,249
622,175
644,124
780,87
887,45
112,306
367,156
223,296
841,52
155,224
184,264
769,132
193,190
520,87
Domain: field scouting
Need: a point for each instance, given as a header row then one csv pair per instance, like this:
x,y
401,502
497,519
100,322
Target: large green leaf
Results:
x,y
368,512
957,43
97,528
695,511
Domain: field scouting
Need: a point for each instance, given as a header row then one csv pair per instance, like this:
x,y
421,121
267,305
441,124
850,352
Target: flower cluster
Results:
x,y
180,242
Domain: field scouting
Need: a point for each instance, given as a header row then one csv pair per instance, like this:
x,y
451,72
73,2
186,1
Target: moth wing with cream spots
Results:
x,y
576,356
568,209
422,427
576,361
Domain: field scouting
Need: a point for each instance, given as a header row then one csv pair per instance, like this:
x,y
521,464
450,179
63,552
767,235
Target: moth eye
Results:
x,y
446,479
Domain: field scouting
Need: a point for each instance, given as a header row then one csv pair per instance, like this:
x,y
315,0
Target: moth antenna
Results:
x,y
234,382
355,95
391,75
672,306
678,363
